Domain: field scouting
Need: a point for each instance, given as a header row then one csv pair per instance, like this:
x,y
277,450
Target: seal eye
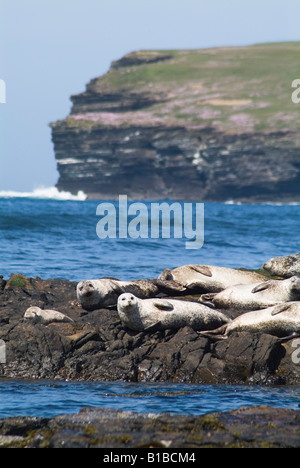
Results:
x,y
131,298
123,298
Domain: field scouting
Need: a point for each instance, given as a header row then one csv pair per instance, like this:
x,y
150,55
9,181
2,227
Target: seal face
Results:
x,y
142,314
255,296
104,292
285,266
38,315
204,278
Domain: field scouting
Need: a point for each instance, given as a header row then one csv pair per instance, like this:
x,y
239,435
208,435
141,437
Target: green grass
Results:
x,y
261,74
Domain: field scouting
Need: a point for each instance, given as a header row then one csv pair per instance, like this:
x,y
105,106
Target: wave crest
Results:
x,y
44,193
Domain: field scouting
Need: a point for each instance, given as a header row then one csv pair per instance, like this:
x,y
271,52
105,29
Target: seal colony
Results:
x,y
263,305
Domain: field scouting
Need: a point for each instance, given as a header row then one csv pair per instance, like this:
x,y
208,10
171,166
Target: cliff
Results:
x,y
213,124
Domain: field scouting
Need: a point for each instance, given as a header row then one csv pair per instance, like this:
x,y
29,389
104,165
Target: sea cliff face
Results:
x,y
215,124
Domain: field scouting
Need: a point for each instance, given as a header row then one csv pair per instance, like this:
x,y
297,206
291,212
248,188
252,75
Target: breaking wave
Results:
x,y
50,193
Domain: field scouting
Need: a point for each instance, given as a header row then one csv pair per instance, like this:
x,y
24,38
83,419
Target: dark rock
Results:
x,y
97,347
2,283
256,427
166,168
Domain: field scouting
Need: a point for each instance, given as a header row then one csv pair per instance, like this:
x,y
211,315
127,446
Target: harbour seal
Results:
x,y
142,314
104,292
38,315
204,278
255,296
281,320
285,267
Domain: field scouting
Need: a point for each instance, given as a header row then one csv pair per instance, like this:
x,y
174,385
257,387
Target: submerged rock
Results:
x,y
256,427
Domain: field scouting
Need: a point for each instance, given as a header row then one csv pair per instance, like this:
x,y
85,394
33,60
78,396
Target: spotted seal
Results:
x,y
285,267
38,315
142,314
281,320
104,292
204,278
255,296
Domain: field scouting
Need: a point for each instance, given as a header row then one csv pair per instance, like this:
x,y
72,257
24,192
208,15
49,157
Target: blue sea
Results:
x,y
53,235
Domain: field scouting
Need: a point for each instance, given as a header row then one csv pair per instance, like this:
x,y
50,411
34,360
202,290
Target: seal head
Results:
x,y
285,266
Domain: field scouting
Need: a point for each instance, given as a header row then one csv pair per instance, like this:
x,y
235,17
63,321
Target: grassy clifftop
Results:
x,y
232,89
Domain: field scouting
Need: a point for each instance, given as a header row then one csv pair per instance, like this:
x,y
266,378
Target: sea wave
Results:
x,y
266,203
50,193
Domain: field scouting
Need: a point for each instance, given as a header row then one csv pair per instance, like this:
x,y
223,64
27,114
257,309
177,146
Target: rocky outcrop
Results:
x,y
256,427
97,347
160,125
177,163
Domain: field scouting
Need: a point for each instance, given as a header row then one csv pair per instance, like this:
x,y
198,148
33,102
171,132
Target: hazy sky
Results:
x,y
50,49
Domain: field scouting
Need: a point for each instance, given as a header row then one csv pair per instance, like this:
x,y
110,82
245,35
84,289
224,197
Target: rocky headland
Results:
x,y
206,125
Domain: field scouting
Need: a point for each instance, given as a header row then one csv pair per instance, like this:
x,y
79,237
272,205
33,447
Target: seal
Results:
x,y
285,267
281,320
144,314
38,315
204,278
104,292
250,297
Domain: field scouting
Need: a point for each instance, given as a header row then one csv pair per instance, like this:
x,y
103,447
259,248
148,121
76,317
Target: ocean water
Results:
x,y
56,238
49,399
53,235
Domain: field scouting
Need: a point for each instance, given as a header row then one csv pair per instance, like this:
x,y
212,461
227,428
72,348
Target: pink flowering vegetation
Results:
x,y
234,89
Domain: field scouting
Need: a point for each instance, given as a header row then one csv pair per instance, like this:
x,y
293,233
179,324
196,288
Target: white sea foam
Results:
x,y
44,193
270,203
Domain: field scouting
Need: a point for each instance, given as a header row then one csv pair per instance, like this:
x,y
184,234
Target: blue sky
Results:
x,y
50,49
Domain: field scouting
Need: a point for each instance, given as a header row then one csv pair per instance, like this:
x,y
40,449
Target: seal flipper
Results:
x,y
166,275
203,269
152,328
110,277
217,334
288,338
207,299
262,287
280,308
117,288
164,305
169,286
